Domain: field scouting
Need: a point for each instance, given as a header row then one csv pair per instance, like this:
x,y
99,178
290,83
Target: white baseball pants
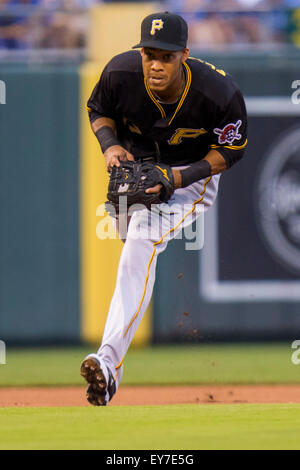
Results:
x,y
148,235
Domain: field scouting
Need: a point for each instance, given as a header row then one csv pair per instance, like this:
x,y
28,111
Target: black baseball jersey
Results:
x,y
210,114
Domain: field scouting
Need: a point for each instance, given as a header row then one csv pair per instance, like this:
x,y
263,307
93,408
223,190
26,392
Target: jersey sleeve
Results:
x,y
101,102
229,135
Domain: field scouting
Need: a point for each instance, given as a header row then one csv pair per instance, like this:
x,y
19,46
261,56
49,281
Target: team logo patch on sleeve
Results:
x,y
229,133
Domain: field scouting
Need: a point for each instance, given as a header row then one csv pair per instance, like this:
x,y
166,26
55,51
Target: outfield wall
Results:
x,y
53,179
39,156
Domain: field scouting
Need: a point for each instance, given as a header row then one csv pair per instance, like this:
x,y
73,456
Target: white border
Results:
x,y
271,105
211,288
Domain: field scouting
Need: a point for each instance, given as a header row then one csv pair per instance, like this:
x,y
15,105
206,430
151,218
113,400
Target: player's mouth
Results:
x,y
156,81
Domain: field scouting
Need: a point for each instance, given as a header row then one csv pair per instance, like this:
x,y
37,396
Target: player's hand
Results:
x,y
154,190
113,155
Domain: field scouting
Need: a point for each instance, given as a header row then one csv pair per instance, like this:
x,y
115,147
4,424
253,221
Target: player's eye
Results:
x,y
149,55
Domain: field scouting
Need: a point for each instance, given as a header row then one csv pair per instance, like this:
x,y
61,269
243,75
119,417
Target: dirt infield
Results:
x,y
75,396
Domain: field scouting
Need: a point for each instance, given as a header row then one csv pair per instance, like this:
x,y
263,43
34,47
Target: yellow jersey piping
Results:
x,y
184,94
162,111
232,147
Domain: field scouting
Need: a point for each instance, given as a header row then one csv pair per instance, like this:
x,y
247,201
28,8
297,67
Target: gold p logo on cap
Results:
x,y
156,26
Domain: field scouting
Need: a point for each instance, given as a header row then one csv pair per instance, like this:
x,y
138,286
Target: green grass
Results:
x,y
220,364
156,427
210,426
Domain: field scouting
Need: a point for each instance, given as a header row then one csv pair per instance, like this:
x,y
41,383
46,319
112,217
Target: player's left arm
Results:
x,y
228,143
212,164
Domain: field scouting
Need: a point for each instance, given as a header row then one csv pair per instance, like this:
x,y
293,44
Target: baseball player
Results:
x,y
180,111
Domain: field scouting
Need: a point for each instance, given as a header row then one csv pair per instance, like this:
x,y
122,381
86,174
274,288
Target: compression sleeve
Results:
x,y
197,171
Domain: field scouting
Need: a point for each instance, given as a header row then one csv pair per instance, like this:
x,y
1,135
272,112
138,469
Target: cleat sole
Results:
x,y
92,373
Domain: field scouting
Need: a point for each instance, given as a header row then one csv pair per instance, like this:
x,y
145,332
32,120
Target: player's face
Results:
x,y
162,69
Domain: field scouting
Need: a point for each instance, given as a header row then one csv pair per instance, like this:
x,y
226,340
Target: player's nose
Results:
x,y
156,65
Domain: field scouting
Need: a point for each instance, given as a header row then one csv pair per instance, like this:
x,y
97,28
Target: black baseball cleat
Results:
x,y
98,392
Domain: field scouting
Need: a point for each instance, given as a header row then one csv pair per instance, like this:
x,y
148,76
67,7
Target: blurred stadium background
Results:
x,y
56,276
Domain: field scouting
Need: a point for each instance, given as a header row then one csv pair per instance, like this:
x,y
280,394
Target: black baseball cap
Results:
x,y
165,31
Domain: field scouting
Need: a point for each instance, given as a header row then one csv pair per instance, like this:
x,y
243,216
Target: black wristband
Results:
x,y
197,171
106,138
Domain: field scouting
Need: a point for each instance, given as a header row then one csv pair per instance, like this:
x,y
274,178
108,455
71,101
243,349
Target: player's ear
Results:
x,y
185,54
142,51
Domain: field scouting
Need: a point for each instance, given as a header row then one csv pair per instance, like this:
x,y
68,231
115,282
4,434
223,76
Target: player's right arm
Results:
x,y
102,106
105,130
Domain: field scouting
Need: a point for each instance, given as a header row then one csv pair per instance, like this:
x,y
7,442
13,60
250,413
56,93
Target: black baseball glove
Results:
x,y
131,179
